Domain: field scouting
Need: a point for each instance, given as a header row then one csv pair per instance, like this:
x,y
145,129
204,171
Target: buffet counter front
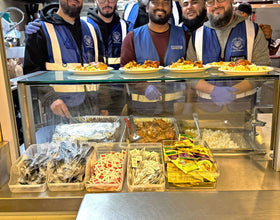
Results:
x,y
245,181
246,188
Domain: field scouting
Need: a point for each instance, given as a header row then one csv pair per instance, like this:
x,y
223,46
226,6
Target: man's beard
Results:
x,y
72,12
108,15
159,20
193,24
219,21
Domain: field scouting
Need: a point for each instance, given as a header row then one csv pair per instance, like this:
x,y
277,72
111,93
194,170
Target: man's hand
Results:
x,y
33,27
58,107
223,95
152,93
266,30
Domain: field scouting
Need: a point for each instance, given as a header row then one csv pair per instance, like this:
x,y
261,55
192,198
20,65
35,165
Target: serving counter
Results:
x,y
246,173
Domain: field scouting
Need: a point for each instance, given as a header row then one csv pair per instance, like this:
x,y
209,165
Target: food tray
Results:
x,y
103,148
175,177
166,119
159,187
30,153
220,137
95,124
69,186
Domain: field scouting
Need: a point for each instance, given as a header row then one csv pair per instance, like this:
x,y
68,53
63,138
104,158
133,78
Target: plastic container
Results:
x,y
30,153
78,186
99,151
176,177
132,167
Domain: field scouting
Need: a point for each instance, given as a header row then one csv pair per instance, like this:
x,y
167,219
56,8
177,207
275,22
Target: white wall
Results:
x,y
269,16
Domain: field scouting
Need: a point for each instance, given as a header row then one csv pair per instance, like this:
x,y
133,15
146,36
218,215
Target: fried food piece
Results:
x,y
101,66
243,62
131,64
150,63
155,131
147,64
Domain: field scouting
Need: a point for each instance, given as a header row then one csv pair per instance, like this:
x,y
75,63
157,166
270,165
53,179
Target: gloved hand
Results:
x,y
223,95
33,27
152,93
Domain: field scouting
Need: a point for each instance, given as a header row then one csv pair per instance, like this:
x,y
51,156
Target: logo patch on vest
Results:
x,y
88,41
116,38
238,44
176,47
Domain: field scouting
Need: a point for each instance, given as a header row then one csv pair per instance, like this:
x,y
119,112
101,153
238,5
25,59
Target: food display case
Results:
x,y
247,158
237,124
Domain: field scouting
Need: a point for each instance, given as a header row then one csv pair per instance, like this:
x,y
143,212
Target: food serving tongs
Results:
x,y
130,125
195,118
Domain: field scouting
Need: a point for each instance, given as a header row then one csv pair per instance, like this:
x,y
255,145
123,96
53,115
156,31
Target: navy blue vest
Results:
x,y
236,46
114,42
145,49
68,46
70,54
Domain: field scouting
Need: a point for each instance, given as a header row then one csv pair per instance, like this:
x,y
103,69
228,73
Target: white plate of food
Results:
x,y
138,70
90,72
241,70
186,66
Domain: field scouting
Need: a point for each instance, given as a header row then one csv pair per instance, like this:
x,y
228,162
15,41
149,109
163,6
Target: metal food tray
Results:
x,y
93,118
117,136
171,120
239,135
159,187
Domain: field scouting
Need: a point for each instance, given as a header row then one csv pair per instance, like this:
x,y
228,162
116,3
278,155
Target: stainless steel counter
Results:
x,y
245,184
181,205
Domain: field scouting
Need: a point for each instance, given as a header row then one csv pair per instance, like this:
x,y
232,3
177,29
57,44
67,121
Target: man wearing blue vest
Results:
x,y
135,14
227,37
112,30
64,41
157,41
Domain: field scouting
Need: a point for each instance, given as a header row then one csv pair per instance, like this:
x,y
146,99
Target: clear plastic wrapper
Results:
x,y
145,168
66,170
29,173
106,171
189,164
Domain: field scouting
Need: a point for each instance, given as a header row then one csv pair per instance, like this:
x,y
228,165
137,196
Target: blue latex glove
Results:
x,y
152,93
33,27
223,95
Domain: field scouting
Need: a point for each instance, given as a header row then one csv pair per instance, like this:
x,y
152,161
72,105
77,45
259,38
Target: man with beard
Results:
x,y
136,15
111,29
157,41
227,37
194,14
64,41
